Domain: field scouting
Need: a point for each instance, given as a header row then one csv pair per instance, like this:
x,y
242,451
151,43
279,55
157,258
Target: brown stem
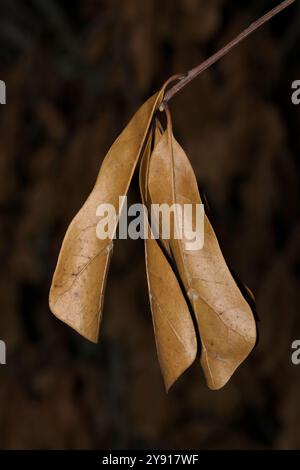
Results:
x,y
191,74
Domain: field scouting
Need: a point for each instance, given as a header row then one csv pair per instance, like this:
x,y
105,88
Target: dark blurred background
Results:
x,y
75,73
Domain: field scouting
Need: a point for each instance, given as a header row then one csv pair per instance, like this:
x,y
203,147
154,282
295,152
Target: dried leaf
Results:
x,y
76,295
226,324
173,326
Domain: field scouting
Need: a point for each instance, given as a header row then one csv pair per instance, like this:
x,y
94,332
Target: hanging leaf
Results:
x,y
173,326
76,295
226,324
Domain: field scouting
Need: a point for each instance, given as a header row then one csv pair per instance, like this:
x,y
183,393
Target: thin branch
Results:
x,y
191,74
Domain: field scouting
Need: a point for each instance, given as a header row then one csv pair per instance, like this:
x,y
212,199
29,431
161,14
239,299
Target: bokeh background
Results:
x,y
75,73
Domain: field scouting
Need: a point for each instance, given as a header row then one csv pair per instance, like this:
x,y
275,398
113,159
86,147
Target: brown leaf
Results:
x,y
226,324
173,326
76,295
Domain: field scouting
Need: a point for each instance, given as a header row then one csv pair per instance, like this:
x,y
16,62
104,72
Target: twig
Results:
x,y
191,74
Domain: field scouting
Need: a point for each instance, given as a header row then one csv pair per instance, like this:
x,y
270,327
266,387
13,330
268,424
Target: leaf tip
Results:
x,y
88,333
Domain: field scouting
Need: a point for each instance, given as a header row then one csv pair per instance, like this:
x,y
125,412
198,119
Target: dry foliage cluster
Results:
x,y
223,317
69,94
